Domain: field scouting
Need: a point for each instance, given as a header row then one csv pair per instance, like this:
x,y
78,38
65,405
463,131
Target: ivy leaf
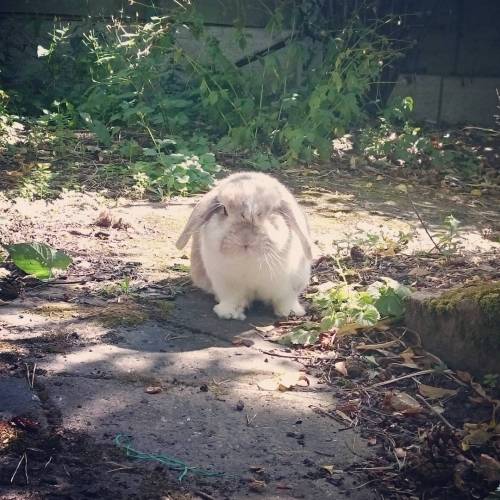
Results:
x,y
38,259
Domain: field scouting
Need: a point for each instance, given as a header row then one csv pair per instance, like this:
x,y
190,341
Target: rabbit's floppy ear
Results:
x,y
200,214
292,213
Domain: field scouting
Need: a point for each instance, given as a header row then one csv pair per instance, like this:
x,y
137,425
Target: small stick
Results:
x,y
26,467
33,377
452,427
48,462
17,468
424,225
250,420
204,495
409,375
293,356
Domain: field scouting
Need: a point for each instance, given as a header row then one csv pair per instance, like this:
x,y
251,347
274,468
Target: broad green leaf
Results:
x,y
38,259
299,336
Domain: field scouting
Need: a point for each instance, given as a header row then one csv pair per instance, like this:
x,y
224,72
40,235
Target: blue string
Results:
x,y
170,462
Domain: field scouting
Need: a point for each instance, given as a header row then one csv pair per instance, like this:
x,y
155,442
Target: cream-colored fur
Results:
x,y
250,242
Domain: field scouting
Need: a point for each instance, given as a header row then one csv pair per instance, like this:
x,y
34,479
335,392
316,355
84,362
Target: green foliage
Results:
x,y
345,305
305,335
37,183
38,259
136,75
397,140
449,235
164,174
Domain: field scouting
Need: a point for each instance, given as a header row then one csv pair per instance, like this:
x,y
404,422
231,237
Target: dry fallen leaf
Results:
x,y
489,468
257,486
402,403
238,341
331,469
105,219
418,272
464,376
477,435
376,347
153,389
284,383
372,441
431,392
408,356
400,452
340,367
264,329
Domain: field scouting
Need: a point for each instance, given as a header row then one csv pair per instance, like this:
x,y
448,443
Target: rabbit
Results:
x,y
251,241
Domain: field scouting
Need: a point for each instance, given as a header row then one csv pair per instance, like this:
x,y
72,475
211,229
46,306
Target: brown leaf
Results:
x,y
489,468
105,219
431,392
265,329
238,341
418,272
400,452
257,486
408,356
153,389
341,367
372,441
331,469
477,435
464,376
376,347
402,403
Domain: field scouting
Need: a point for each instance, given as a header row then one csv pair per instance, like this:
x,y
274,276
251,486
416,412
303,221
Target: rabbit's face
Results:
x,y
251,224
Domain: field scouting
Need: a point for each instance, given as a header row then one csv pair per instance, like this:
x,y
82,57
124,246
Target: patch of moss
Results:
x,y
486,295
128,313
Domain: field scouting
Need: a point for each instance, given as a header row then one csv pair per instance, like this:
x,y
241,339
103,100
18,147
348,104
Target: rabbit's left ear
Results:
x,y
205,208
291,211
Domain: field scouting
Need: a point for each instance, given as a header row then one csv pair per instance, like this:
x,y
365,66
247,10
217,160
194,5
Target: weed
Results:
x,y
448,236
397,140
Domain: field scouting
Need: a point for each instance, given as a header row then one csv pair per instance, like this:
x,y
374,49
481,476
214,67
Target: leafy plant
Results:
x,y
345,305
164,174
37,183
136,75
38,259
397,140
449,235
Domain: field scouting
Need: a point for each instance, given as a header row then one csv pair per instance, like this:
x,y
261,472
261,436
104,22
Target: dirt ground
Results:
x,y
123,350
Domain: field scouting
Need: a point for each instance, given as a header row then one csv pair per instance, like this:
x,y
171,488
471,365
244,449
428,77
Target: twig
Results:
x,y
452,427
48,462
408,375
17,468
33,377
204,495
250,419
26,467
293,356
424,225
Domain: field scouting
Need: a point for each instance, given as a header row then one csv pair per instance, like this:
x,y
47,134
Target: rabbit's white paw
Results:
x,y
226,310
287,308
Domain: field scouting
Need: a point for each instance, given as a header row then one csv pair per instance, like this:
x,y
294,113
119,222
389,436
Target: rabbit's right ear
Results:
x,y
201,213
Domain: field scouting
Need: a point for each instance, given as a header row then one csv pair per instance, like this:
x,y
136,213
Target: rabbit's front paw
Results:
x,y
286,308
226,310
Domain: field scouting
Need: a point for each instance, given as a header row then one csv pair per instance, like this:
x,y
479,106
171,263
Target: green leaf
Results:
x,y
38,259
299,336
390,304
